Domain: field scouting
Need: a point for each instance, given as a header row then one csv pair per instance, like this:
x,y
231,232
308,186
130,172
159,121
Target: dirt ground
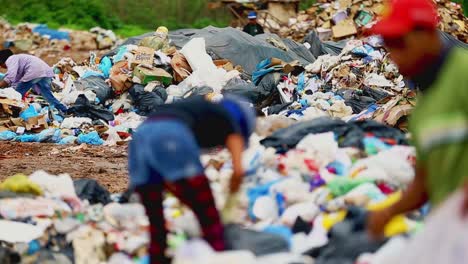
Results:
x,y
108,165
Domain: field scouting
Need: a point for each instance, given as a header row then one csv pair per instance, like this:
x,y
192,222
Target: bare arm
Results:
x,y
413,198
235,145
3,84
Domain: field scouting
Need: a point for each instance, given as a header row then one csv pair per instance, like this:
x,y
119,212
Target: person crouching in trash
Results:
x,y
165,153
25,72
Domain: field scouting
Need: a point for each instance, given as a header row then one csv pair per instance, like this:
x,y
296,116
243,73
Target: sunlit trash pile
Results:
x,y
110,96
53,219
302,198
329,143
38,39
338,19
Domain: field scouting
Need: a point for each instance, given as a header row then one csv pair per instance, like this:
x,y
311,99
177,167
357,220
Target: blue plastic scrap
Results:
x,y
90,138
105,66
67,140
29,113
7,135
43,30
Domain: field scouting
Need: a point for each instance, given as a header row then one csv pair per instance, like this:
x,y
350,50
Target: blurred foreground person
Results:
x,y
439,123
165,153
25,72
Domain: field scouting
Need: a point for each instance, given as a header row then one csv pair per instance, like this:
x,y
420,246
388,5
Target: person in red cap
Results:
x,y
439,122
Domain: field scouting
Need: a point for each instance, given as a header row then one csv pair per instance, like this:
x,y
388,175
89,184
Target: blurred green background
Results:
x,y
125,17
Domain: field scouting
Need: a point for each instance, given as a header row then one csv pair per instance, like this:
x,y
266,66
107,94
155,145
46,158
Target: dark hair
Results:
x,y
4,55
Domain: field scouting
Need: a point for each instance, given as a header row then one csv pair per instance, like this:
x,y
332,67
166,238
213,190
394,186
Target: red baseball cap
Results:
x,y
403,16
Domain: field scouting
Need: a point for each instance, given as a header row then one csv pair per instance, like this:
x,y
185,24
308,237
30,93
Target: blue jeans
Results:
x,y
45,87
163,151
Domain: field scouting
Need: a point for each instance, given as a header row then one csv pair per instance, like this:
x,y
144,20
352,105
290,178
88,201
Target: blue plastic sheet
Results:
x,y
29,113
256,192
120,54
90,138
105,66
7,135
67,140
92,73
49,135
27,138
54,34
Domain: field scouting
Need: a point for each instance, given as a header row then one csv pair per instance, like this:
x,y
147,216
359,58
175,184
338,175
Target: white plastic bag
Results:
x,y
444,238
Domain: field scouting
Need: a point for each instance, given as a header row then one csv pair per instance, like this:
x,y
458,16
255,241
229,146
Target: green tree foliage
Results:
x,y
127,17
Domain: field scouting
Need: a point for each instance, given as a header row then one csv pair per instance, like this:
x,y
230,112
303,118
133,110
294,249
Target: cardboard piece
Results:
x,y
344,29
120,81
146,75
143,55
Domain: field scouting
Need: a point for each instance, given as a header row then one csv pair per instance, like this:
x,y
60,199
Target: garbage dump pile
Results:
x,y
49,44
330,144
108,97
337,19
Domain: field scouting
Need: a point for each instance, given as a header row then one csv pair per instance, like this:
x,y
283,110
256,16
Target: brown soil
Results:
x,y
107,165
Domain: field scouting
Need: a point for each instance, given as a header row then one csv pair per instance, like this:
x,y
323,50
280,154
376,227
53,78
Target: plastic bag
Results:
x,y
7,135
444,238
90,138
67,140
29,113
105,66
259,243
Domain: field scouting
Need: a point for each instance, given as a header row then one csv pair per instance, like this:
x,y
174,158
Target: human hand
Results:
x,y
464,209
376,222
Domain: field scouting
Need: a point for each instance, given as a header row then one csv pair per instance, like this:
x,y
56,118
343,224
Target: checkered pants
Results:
x,y
196,194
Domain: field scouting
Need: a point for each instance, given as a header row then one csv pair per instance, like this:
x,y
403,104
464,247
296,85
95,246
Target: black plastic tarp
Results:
x,y
259,243
349,134
318,48
83,108
88,189
96,84
234,45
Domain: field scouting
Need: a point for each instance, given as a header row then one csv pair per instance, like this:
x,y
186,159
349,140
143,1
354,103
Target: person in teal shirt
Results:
x,y
439,122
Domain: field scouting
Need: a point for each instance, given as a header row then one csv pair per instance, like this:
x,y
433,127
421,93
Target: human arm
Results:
x,y
235,145
12,65
413,198
3,84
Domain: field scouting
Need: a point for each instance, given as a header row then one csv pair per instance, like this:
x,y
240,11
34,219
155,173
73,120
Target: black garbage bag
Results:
x,y
96,84
347,241
359,101
146,102
83,108
376,94
382,131
319,48
91,190
285,139
8,256
349,134
276,109
259,243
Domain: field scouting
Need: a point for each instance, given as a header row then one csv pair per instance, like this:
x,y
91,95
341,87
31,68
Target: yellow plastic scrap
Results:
x,y
391,200
399,224
330,220
20,183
